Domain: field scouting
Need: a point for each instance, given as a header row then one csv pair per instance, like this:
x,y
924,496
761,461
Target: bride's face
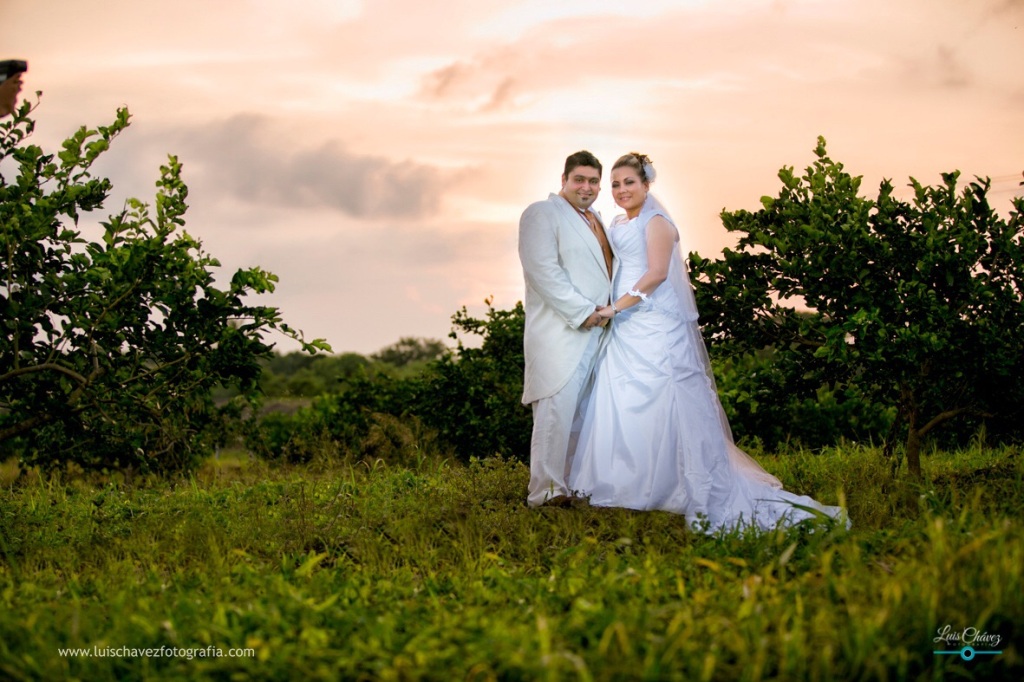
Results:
x,y
628,190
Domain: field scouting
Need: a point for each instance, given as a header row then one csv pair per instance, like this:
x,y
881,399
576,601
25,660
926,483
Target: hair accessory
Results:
x,y
649,171
647,168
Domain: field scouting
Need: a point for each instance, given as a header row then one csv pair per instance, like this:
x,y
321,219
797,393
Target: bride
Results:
x,y
652,434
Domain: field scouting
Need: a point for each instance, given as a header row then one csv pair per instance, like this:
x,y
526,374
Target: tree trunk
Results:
x,y
914,450
916,435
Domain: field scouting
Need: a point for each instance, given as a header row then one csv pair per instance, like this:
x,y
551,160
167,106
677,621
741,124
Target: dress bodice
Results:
x,y
630,245
674,296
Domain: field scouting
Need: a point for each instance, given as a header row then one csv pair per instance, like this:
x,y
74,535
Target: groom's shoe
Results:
x,y
567,502
559,501
578,502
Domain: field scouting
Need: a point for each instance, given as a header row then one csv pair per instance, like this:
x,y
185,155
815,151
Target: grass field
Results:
x,y
439,571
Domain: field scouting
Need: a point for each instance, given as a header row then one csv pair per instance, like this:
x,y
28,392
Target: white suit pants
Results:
x,y
555,429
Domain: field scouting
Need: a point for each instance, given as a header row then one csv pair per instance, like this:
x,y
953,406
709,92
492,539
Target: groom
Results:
x,y
567,265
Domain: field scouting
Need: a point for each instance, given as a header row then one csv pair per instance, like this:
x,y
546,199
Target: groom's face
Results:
x,y
581,186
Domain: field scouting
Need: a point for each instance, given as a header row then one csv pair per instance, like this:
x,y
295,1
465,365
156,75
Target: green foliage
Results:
x,y
110,349
916,305
762,408
302,375
441,572
474,396
467,402
370,417
409,350
299,374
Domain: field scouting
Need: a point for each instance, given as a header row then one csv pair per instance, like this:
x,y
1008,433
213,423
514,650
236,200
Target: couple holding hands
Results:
x,y
625,408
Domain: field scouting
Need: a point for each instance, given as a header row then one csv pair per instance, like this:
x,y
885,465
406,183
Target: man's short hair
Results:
x,y
581,158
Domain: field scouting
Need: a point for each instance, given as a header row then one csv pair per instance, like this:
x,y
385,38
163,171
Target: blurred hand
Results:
x,y
595,320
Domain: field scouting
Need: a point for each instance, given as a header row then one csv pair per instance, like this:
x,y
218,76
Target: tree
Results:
x,y
473,395
469,398
410,349
916,304
298,374
110,349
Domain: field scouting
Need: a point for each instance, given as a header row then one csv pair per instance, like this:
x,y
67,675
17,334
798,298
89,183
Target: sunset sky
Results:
x,y
377,154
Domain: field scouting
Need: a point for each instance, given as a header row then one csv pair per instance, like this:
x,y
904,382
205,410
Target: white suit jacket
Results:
x,y
566,279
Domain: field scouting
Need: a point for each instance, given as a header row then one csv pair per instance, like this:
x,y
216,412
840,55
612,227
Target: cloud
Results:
x,y
247,157
484,82
563,55
502,95
1000,7
951,71
764,48
439,82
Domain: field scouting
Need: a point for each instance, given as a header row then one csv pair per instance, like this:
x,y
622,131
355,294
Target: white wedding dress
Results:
x,y
652,433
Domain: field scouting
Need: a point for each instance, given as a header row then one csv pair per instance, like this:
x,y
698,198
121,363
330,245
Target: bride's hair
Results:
x,y
641,163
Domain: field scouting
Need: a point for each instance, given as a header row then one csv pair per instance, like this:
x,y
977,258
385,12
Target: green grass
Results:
x,y
337,571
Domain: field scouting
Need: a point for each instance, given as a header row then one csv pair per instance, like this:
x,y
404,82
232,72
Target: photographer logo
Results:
x,y
971,642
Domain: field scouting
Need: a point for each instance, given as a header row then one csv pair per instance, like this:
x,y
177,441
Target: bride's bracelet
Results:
x,y
639,294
